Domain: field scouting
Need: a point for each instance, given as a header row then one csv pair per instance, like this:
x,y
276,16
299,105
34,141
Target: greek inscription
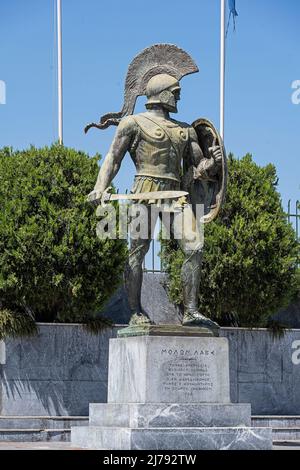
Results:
x,y
187,352
187,374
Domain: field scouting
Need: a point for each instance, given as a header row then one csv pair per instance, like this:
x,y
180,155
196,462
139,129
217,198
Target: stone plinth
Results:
x,y
212,438
169,392
157,415
168,369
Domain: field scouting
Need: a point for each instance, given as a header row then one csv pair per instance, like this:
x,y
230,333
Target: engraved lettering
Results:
x,y
187,374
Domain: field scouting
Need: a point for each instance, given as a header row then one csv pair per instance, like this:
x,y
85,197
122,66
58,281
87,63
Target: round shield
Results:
x,y
209,191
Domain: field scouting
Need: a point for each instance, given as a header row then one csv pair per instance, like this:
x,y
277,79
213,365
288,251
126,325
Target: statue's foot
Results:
x,y
139,319
194,318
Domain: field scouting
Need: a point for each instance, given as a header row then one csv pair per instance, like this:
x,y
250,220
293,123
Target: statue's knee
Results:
x,y
193,254
138,253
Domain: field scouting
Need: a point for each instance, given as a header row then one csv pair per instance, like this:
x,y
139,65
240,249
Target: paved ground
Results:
x,y
296,447
67,446
36,446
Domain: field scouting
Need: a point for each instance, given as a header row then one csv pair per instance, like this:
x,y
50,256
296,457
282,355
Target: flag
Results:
x,y
233,13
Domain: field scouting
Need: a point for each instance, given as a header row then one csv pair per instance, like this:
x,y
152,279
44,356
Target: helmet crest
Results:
x,y
159,59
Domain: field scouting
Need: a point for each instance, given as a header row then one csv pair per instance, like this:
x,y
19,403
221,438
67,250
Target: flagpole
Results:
x,y
59,73
222,69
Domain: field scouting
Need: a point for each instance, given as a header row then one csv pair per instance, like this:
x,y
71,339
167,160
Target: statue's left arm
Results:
x,y
204,167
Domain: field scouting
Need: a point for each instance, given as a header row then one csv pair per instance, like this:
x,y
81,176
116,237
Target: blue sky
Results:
x,y
100,38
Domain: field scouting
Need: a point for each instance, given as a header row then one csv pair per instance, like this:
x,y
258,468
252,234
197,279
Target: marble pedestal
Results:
x,y
169,392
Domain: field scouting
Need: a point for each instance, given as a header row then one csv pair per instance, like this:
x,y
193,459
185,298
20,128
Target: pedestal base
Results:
x,y
203,438
180,415
169,392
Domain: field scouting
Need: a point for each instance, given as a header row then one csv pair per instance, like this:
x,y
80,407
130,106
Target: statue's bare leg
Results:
x,y
192,247
133,274
133,278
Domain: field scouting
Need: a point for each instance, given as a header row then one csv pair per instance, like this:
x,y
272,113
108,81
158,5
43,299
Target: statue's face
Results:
x,y
176,92
174,97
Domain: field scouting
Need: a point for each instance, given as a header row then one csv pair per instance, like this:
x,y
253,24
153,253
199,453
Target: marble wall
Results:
x,y
65,368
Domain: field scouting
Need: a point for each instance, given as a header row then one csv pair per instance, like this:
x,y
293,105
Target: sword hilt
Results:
x,y
96,197
106,195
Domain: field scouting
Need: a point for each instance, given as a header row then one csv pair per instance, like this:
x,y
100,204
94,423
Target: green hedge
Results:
x,y
52,265
250,251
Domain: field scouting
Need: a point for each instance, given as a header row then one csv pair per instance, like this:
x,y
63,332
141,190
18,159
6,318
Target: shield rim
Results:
x,y
220,198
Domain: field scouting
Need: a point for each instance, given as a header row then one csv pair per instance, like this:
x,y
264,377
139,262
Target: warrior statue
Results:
x,y
169,156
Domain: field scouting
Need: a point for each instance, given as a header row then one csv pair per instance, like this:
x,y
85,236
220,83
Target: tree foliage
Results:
x,y
250,251
53,266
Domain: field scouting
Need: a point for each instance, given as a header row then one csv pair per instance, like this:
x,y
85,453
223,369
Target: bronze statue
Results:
x,y
169,156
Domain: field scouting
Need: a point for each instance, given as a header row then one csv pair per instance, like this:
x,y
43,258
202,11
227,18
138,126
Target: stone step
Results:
x,y
57,428
284,427
34,435
204,438
286,434
39,428
178,415
42,422
285,443
276,421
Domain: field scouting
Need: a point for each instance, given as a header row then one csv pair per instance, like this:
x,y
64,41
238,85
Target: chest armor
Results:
x,y
159,146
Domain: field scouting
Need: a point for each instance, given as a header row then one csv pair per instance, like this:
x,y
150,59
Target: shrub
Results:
x,y
53,266
250,251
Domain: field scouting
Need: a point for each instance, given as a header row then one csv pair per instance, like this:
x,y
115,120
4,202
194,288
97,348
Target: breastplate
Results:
x,y
160,147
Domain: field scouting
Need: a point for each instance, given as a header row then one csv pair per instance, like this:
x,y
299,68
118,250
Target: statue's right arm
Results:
x,y
116,153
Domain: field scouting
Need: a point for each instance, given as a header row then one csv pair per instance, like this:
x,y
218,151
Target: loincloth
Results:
x,y
147,184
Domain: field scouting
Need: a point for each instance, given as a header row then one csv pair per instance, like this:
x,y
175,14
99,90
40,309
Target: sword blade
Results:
x,y
156,195
96,196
